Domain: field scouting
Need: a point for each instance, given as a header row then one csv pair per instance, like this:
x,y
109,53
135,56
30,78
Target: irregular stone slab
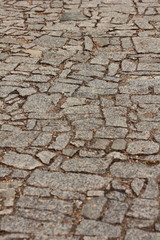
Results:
x,y
111,132
43,139
54,205
134,234
147,44
37,78
140,209
152,189
41,102
67,195
46,156
61,141
16,139
137,185
129,170
67,181
50,42
142,147
24,225
115,212
93,208
41,215
139,223
97,228
90,165
115,116
4,172
14,236
23,161
72,16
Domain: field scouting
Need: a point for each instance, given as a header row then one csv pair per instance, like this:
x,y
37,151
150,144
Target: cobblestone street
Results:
x,y
80,120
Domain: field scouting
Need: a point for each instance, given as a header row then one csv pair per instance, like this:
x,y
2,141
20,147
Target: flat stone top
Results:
x,y
80,119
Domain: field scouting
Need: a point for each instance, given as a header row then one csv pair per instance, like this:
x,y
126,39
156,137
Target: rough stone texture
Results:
x,y
80,119
23,161
142,147
93,207
91,227
68,181
139,234
115,212
92,165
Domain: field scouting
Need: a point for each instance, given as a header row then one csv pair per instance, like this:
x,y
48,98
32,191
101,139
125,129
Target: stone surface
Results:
x,y
92,227
80,119
142,147
23,161
140,234
93,207
69,181
90,165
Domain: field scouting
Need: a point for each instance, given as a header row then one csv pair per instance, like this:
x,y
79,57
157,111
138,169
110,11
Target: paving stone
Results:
x,y
35,202
67,195
72,16
119,144
152,189
117,155
50,42
100,144
43,139
93,207
115,212
38,78
61,141
115,195
111,132
117,185
46,156
88,43
97,228
14,236
45,215
92,153
41,103
157,227
128,66
133,234
147,44
139,223
23,161
142,147
129,170
84,135
17,173
24,225
4,172
69,152
90,165
137,185
69,181
79,115
143,209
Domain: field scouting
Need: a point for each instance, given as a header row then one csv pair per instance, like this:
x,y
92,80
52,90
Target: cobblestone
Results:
x,y
80,120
